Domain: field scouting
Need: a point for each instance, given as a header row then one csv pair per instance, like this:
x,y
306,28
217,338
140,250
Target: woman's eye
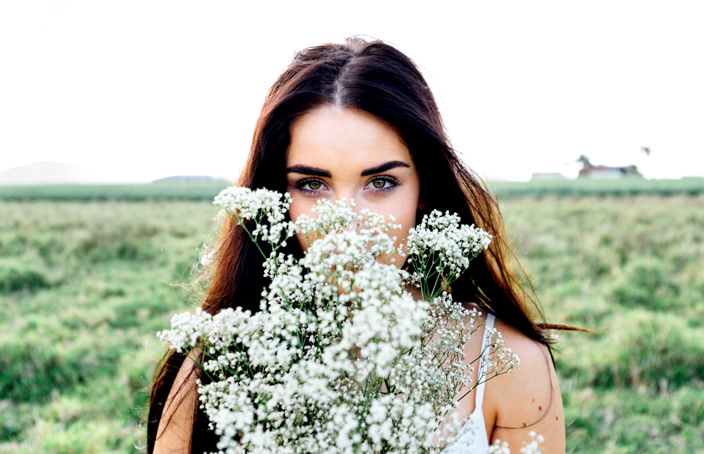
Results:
x,y
310,186
382,184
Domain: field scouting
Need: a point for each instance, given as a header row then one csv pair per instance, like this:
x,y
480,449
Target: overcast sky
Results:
x,y
139,90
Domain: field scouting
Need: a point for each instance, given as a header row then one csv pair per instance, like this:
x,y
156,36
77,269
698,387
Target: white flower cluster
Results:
x,y
340,358
266,209
442,247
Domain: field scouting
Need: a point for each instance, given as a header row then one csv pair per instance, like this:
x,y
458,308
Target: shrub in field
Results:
x,y
115,242
23,273
657,346
646,282
642,348
14,419
630,421
33,368
93,436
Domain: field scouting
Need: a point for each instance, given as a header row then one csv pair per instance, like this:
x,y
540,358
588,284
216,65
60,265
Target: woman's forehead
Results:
x,y
333,136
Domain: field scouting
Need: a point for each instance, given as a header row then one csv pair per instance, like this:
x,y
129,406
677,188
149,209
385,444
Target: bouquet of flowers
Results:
x,y
341,358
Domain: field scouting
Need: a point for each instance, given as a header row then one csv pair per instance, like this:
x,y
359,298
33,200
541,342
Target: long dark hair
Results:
x,y
374,77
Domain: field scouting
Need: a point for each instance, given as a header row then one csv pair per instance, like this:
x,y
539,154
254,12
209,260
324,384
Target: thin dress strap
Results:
x,y
481,374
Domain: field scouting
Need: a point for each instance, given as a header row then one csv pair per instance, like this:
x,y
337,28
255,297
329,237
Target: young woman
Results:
x,y
357,120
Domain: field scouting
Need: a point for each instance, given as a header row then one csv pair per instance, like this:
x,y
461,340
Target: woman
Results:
x,y
357,120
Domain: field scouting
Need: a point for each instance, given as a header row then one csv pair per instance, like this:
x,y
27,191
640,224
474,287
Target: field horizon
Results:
x,y
205,190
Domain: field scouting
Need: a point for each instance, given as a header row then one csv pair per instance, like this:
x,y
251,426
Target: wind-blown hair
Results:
x,y
374,77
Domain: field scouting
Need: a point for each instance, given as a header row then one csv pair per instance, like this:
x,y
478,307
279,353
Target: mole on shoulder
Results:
x,y
524,424
540,408
556,418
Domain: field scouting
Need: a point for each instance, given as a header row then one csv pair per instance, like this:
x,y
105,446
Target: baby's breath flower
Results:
x,y
442,247
340,358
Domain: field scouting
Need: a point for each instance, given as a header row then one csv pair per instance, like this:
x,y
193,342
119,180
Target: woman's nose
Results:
x,y
349,194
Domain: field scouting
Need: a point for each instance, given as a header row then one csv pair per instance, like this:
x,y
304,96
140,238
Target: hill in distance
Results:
x,y
491,177
190,179
49,172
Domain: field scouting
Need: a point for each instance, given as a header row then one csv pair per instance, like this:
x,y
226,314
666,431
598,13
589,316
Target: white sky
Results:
x,y
139,90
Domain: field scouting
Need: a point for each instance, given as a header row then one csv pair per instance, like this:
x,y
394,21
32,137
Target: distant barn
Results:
x,y
604,172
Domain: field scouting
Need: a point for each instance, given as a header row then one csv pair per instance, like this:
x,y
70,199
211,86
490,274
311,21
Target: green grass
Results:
x,y
207,190
630,186
631,268
102,192
84,287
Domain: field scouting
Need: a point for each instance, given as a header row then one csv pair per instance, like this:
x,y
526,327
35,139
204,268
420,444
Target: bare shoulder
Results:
x,y
528,399
176,424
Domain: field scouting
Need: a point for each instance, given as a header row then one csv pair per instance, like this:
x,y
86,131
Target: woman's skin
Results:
x,y
339,153
348,154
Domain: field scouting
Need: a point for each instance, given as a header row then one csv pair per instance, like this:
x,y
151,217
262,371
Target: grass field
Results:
x,y
207,190
83,289
630,267
125,192
581,187
85,285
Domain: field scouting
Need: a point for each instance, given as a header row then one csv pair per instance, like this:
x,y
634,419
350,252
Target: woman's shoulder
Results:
x,y
528,387
528,398
535,368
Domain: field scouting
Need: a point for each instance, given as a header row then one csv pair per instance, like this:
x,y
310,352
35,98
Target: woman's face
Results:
x,y
341,153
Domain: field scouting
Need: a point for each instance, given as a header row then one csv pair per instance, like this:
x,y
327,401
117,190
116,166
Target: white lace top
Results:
x,y
473,436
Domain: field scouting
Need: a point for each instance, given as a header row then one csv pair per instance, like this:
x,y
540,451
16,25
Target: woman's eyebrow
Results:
x,y
384,167
307,170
